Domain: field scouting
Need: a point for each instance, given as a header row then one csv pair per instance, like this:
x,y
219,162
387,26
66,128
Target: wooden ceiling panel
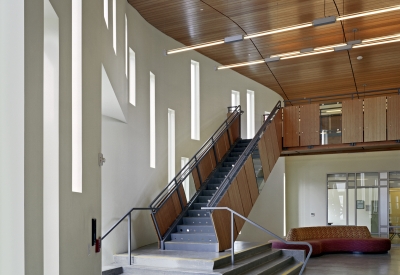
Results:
x,y
198,21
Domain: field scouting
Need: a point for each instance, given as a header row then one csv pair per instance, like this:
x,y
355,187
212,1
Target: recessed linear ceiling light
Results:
x,y
315,23
319,50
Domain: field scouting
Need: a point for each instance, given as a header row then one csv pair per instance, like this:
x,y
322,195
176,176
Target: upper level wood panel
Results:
x,y
291,126
352,121
191,22
309,124
393,117
375,119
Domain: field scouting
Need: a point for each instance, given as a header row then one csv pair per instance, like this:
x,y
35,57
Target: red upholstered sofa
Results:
x,y
328,239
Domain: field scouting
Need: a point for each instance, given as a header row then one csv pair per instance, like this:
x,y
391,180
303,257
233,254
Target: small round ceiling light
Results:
x,y
359,57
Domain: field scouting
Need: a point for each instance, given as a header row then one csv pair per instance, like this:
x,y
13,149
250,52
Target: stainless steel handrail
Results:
x,y
261,228
129,228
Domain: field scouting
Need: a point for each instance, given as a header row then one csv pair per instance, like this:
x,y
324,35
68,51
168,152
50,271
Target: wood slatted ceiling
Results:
x,y
374,119
251,179
191,22
309,124
393,118
352,121
291,126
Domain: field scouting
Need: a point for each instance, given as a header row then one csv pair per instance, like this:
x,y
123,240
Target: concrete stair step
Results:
x,y
194,237
199,205
205,199
199,213
272,267
197,221
208,192
192,246
185,228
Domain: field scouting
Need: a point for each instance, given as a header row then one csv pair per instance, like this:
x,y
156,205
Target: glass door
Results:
x,y
394,207
367,201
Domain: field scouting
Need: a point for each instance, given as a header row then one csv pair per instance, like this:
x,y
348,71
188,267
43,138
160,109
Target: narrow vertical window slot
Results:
x,y
171,144
152,120
77,96
250,114
106,12
235,98
126,46
51,159
195,100
132,77
115,26
186,187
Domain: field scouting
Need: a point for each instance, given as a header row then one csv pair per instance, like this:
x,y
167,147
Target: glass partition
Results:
x,y
331,123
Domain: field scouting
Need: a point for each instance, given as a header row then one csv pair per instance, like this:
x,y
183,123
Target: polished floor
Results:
x,y
356,264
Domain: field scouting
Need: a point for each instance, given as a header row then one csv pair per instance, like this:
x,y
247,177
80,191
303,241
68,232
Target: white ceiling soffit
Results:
x,y
109,103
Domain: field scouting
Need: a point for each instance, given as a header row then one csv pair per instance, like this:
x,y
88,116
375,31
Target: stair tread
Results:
x,y
284,260
181,233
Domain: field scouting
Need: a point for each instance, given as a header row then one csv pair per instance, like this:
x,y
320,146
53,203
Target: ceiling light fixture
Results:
x,y
319,50
315,23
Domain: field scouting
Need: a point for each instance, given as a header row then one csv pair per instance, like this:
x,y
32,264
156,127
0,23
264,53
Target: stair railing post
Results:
x,y
232,242
129,239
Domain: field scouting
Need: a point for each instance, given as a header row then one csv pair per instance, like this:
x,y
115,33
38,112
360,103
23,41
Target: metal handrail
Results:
x,y
261,228
242,159
176,182
129,228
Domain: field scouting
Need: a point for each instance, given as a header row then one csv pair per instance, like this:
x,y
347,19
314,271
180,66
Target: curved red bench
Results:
x,y
328,239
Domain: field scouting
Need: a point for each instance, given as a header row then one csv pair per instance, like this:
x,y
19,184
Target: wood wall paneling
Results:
x,y
222,146
309,124
352,121
251,179
291,126
221,221
196,178
278,128
244,191
270,151
274,141
207,164
393,117
236,204
375,119
262,148
234,130
167,214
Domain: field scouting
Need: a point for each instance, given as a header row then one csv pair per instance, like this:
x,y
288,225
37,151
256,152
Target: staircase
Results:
x,y
250,259
195,231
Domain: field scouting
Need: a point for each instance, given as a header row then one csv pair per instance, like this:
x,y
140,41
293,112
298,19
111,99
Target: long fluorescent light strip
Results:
x,y
320,50
285,29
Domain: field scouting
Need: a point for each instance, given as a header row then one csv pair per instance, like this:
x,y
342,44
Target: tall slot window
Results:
x,y
115,26
195,99
51,158
171,144
132,77
250,114
106,12
77,96
186,187
235,98
126,46
152,120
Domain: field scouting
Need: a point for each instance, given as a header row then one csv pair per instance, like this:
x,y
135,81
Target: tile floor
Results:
x,y
356,264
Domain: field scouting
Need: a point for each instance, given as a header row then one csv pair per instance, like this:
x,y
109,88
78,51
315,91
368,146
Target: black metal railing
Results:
x,y
242,159
129,228
193,163
261,228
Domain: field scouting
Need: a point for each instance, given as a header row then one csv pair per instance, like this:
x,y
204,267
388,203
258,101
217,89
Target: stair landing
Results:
x,y
248,256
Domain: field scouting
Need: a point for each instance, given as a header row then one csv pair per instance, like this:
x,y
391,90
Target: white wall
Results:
x,y
12,137
306,181
268,211
127,179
